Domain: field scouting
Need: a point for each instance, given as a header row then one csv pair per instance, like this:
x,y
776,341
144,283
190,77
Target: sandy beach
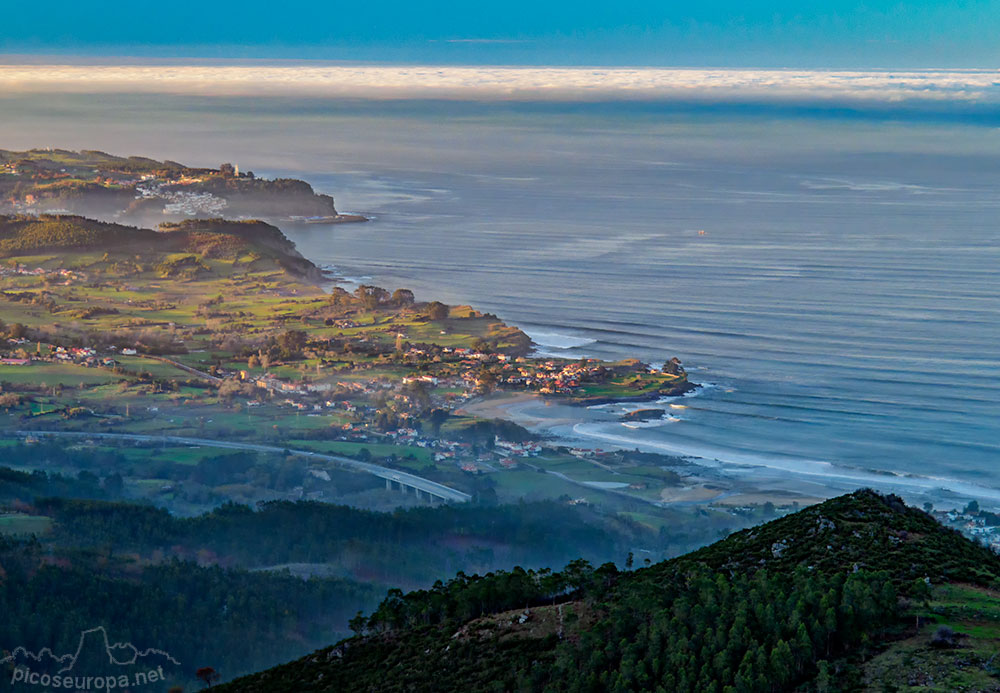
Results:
x,y
496,406
514,406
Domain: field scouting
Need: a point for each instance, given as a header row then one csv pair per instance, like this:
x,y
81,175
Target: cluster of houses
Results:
x,y
14,361
975,525
20,270
545,377
518,449
84,356
119,180
459,452
194,204
180,201
550,377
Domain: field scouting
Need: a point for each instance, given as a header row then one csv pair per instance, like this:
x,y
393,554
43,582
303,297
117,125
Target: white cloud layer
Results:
x,y
499,83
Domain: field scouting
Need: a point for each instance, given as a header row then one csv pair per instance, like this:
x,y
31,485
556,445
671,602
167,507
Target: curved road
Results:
x,y
403,478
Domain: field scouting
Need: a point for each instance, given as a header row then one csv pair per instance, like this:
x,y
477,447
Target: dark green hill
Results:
x,y
21,235
200,614
27,234
806,603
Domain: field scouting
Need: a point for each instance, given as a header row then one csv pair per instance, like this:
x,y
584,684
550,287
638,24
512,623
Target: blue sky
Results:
x,y
776,33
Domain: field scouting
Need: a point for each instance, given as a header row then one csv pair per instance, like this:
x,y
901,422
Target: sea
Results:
x,y
828,275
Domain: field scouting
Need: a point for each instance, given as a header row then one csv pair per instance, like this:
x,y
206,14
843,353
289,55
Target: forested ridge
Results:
x,y
406,547
202,615
213,589
795,604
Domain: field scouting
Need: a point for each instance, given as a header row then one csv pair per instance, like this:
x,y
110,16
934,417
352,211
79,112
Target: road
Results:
x,y
394,475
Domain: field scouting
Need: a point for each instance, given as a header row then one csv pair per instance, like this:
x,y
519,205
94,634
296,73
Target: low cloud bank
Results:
x,y
513,83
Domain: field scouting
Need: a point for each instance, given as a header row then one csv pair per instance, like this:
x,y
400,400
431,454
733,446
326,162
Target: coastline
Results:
x,y
704,481
776,479
677,391
745,478
722,481
326,221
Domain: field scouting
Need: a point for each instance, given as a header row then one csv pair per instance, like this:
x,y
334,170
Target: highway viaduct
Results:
x,y
403,480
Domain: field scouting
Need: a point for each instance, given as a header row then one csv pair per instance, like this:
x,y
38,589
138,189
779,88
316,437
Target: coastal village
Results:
x,y
461,376
979,525
380,411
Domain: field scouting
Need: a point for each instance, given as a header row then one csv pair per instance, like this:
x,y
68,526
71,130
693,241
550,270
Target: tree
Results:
x,y
437,310
437,418
230,388
371,296
972,508
824,681
486,380
291,342
358,624
208,675
418,392
9,399
114,484
339,296
402,297
803,645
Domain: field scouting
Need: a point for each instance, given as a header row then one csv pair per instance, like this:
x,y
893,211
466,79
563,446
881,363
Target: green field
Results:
x,y
422,455
21,525
157,369
914,664
56,374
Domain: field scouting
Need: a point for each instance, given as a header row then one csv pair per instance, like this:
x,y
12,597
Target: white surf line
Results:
x,y
821,469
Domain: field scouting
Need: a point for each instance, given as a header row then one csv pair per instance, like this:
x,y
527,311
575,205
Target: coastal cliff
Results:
x,y
146,191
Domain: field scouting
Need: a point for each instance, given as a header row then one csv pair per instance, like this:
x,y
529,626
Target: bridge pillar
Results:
x,y
388,485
